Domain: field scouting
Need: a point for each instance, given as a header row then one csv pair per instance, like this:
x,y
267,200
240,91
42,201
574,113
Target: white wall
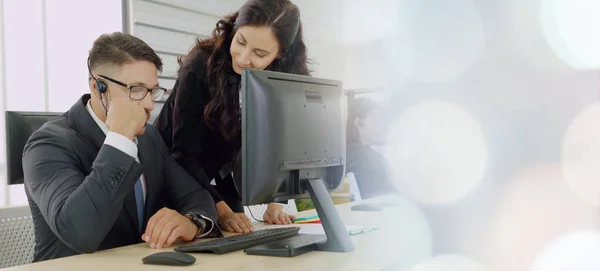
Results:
x,y
3,185
323,36
43,59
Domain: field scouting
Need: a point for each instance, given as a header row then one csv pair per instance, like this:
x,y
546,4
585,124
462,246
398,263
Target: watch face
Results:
x,y
197,221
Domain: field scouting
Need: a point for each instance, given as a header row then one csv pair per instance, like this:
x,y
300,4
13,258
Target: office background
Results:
x,y
44,46
493,104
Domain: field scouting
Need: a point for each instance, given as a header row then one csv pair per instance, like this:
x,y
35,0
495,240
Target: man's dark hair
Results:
x,y
119,48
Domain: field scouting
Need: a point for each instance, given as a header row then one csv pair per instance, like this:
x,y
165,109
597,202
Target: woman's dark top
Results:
x,y
202,151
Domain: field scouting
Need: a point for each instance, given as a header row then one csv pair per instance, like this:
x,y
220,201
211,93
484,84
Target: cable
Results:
x,y
251,214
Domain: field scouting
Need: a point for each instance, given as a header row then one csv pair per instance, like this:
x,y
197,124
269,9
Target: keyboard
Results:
x,y
242,241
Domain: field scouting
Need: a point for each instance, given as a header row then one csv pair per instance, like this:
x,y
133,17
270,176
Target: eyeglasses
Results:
x,y
138,93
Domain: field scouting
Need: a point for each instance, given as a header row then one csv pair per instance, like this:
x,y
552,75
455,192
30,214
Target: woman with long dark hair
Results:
x,y
201,120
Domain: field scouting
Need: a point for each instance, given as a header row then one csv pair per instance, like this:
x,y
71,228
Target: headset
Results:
x,y
101,86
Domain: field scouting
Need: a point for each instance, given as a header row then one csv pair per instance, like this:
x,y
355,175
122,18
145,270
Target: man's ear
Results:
x,y
359,123
93,89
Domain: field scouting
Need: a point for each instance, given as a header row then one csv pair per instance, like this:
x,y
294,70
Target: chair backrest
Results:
x,y
19,127
17,237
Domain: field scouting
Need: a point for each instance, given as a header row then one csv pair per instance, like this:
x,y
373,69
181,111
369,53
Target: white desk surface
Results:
x,y
403,238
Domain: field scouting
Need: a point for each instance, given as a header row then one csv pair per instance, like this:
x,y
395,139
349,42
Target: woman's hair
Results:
x,y
358,108
222,113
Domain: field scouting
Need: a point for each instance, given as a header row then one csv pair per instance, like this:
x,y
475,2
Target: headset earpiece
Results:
x,y
101,86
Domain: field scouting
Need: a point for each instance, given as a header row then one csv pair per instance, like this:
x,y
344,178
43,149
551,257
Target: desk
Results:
x,y
375,250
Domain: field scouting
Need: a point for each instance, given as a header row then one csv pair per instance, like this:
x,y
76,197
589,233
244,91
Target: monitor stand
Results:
x,y
336,238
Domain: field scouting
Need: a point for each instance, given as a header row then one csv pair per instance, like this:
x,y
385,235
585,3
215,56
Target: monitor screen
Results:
x,y
293,129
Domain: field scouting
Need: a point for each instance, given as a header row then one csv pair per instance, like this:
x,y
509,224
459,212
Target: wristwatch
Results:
x,y
199,221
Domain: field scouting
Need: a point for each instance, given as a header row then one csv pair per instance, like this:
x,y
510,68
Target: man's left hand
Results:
x,y
166,226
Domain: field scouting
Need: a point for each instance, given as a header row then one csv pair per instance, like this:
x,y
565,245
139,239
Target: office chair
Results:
x,y
19,127
17,239
17,233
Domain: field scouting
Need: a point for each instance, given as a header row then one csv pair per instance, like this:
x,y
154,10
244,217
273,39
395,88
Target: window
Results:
x,y
43,57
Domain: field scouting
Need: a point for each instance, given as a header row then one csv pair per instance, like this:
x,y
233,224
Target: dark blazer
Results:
x,y
202,151
370,170
81,193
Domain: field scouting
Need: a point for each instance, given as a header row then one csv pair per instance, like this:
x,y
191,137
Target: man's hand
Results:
x,y
276,214
166,226
126,117
236,222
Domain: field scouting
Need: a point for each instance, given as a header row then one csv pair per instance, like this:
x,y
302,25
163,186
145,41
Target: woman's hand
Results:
x,y
276,214
233,222
236,222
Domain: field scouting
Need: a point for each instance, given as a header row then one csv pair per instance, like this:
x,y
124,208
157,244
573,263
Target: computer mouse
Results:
x,y
390,203
169,258
366,207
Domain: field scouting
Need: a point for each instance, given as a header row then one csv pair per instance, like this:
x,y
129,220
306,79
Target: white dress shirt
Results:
x,y
122,143
119,142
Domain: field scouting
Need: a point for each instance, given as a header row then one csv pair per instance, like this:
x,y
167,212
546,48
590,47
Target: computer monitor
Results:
x,y
294,142
19,127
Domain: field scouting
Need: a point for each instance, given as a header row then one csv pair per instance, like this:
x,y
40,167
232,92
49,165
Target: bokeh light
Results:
x,y
534,208
438,152
449,262
409,232
581,155
439,39
573,251
571,29
368,21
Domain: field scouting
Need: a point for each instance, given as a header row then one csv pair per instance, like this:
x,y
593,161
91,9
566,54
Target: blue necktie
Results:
x,y
139,200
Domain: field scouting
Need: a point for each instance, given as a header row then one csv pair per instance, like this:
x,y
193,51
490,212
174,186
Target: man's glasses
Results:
x,y
138,93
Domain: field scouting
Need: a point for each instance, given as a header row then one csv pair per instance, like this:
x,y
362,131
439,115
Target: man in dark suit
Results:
x,y
97,177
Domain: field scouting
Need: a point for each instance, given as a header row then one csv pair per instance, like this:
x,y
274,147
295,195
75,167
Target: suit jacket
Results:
x,y
370,169
81,191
